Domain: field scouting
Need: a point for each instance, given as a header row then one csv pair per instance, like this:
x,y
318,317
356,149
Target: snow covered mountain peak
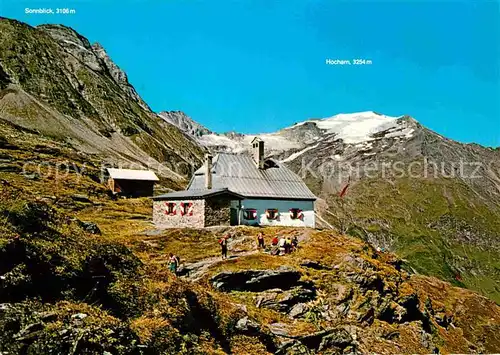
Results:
x,y
354,128
346,128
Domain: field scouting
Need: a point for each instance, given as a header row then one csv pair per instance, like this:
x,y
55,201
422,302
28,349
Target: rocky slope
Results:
x,y
55,82
185,123
434,201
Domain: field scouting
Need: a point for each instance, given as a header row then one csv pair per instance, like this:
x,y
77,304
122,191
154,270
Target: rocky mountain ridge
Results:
x,y
58,84
93,55
351,141
185,123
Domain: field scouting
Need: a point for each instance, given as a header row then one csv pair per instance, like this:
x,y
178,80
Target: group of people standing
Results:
x,y
279,245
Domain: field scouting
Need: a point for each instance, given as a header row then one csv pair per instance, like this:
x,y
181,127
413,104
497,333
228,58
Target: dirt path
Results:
x,y
195,270
236,249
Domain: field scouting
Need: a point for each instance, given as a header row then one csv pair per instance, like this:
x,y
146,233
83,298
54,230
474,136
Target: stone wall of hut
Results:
x,y
218,211
163,219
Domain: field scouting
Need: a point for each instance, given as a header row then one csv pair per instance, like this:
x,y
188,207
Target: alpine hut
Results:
x,y
238,189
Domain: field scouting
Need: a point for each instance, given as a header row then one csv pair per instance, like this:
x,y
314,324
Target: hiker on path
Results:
x,y
288,245
223,246
295,242
173,263
281,244
260,241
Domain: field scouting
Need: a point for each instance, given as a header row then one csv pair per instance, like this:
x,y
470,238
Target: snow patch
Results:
x,y
218,140
75,44
296,155
407,133
276,142
355,128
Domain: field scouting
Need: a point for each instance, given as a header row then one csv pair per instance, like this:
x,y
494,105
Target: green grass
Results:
x,y
440,226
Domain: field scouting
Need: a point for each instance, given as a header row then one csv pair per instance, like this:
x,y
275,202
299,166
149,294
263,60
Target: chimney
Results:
x,y
208,171
258,152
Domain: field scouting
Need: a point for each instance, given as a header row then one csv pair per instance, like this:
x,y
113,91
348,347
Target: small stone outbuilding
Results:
x,y
132,183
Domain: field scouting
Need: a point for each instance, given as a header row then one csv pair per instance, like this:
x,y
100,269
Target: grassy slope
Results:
x,y
52,269
325,247
440,226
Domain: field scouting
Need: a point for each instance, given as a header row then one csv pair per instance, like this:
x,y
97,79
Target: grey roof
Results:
x,y
239,173
131,174
196,194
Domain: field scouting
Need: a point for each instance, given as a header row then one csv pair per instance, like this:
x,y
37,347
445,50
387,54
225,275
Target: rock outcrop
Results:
x,y
285,301
256,280
185,123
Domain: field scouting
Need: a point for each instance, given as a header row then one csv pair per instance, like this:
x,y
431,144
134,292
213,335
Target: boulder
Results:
x,y
283,301
32,176
256,280
298,294
298,310
367,316
29,331
314,340
366,281
247,326
331,339
90,227
343,309
340,293
358,262
339,338
47,316
251,328
268,300
314,265
79,316
281,329
293,347
81,198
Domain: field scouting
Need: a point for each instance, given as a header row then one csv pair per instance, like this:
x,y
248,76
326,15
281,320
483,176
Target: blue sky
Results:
x,y
257,66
